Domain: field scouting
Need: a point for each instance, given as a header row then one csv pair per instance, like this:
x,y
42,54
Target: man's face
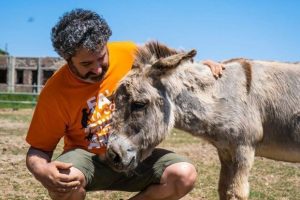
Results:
x,y
90,66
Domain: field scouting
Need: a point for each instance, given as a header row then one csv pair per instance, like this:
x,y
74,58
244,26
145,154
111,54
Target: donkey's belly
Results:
x,y
278,151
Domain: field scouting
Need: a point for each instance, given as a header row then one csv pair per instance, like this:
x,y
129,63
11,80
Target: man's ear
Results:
x,y
165,64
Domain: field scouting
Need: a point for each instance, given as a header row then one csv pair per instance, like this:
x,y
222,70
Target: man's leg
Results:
x,y
177,180
93,173
82,168
164,175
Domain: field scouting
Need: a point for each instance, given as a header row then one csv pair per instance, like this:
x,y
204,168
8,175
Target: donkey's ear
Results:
x,y
174,60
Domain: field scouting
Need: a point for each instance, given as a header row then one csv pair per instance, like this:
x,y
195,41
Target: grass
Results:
x,y
269,180
17,100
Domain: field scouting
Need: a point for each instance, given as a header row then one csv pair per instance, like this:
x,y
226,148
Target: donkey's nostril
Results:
x,y
117,159
114,156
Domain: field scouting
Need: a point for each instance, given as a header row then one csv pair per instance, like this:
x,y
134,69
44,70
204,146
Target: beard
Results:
x,y
90,76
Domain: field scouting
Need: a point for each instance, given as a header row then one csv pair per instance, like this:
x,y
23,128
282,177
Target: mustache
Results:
x,y
96,76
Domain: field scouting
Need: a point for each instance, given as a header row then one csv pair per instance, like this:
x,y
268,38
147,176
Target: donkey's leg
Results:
x,y
226,173
235,169
243,161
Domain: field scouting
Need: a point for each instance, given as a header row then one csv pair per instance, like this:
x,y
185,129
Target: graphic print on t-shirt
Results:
x,y
96,120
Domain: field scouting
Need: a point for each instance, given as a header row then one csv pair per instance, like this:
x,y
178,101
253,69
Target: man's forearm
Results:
x,y
36,158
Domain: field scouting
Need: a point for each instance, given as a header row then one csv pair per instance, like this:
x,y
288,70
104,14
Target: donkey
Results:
x,y
253,110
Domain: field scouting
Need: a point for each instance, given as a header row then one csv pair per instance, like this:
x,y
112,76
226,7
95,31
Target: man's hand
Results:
x,y
215,67
56,177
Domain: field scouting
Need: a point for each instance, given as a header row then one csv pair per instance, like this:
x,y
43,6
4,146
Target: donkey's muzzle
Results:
x,y
120,154
113,155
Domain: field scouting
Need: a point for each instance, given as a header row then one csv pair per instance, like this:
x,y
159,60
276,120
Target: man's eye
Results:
x,y
136,106
86,64
102,57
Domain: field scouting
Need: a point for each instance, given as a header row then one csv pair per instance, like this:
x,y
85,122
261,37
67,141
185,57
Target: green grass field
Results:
x,y
17,100
270,180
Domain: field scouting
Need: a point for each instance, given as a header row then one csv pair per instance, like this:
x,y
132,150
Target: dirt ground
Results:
x,y
270,180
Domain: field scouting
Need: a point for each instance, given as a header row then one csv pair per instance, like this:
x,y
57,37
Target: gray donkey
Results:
x,y
254,109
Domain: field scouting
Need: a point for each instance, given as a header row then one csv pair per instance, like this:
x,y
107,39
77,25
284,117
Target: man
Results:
x,y
75,105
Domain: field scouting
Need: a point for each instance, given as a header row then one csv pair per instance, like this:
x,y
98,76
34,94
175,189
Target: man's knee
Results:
x,y
183,175
74,193
78,194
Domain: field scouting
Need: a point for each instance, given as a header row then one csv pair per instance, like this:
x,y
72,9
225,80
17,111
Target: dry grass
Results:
x,y
269,179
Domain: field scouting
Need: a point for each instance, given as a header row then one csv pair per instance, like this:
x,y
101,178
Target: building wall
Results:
x,y
27,74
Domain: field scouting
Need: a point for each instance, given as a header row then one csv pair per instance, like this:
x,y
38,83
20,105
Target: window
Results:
x,y
20,76
46,75
34,77
34,80
3,75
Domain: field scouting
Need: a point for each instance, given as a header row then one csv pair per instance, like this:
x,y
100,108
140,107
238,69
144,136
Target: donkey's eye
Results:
x,y
136,106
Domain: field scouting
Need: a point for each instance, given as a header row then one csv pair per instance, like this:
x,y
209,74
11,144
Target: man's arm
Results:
x,y
53,175
36,159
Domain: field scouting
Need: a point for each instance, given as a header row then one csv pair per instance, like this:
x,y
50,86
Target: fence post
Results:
x,y
11,73
39,75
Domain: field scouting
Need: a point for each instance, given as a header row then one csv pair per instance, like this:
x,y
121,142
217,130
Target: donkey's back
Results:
x,y
266,98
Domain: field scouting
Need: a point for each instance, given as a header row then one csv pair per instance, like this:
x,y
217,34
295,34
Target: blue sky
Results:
x,y
218,29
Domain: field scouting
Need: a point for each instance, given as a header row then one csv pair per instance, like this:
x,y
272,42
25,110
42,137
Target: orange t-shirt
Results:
x,y
76,110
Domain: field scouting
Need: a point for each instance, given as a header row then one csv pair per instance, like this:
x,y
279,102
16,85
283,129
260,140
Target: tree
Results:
x,y
2,52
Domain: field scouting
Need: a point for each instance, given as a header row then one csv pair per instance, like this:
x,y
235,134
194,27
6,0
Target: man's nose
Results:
x,y
97,69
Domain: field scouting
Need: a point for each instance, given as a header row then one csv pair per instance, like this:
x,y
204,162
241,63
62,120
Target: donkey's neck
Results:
x,y
190,90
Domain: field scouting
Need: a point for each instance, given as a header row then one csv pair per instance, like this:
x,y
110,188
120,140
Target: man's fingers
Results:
x,y
213,70
69,185
63,190
218,70
63,187
54,189
62,165
67,177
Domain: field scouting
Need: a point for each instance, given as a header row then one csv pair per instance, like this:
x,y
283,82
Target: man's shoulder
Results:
x,y
57,80
121,46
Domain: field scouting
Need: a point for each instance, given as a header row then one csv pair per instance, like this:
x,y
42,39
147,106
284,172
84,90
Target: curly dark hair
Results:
x,y
79,28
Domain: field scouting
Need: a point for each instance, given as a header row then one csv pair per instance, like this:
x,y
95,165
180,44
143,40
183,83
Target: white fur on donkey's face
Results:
x,y
141,121
144,114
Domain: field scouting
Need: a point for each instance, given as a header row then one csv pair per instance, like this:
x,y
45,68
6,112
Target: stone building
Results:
x,y
26,74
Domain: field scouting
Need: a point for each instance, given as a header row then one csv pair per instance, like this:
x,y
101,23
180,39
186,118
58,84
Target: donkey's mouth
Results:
x,y
123,167
131,165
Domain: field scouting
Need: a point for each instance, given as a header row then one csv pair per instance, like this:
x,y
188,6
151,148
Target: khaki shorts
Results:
x,y
100,176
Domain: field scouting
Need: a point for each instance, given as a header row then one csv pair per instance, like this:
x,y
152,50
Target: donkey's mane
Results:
x,y
151,52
